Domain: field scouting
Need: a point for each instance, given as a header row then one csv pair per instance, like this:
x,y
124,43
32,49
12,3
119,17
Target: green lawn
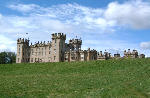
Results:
x,y
95,79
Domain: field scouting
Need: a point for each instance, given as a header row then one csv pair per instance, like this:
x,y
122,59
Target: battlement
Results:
x,y
83,51
59,36
134,51
89,50
40,44
117,55
22,40
103,55
57,50
130,52
75,41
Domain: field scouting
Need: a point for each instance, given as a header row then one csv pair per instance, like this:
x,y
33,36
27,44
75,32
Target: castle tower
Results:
x,y
58,47
23,55
75,44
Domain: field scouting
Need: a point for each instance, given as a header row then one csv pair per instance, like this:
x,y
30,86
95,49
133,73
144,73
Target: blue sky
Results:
x,y
102,24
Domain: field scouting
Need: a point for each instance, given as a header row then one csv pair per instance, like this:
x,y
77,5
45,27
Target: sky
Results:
x,y
101,24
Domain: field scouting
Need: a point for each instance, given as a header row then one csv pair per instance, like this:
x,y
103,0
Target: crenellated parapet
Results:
x,y
40,44
91,51
75,44
131,54
134,52
57,50
22,40
59,36
75,41
83,51
104,56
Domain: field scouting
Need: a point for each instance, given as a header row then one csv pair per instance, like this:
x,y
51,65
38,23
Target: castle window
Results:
x,y
36,59
32,51
92,57
54,50
55,40
62,45
72,58
54,57
49,52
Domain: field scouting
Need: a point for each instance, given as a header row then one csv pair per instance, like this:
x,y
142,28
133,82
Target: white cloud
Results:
x,y
135,14
72,14
7,44
23,7
102,44
75,19
145,45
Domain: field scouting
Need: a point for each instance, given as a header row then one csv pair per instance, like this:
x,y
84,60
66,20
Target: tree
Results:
x,y
3,58
7,57
11,56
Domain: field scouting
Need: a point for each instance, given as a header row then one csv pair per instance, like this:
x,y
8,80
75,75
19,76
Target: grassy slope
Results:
x,y
112,78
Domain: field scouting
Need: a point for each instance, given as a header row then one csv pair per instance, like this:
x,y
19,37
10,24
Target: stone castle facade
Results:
x,y
59,51
133,54
55,51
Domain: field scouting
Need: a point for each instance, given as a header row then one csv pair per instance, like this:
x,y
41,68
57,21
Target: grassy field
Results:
x,y
95,79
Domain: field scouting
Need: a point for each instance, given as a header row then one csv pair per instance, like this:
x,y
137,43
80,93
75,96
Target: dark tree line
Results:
x,y
7,57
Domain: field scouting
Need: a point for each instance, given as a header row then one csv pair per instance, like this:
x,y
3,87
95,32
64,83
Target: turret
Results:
x,y
129,54
101,54
23,41
59,36
58,46
22,50
129,51
75,44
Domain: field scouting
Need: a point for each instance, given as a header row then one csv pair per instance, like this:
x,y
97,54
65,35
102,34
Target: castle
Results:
x,y
59,51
